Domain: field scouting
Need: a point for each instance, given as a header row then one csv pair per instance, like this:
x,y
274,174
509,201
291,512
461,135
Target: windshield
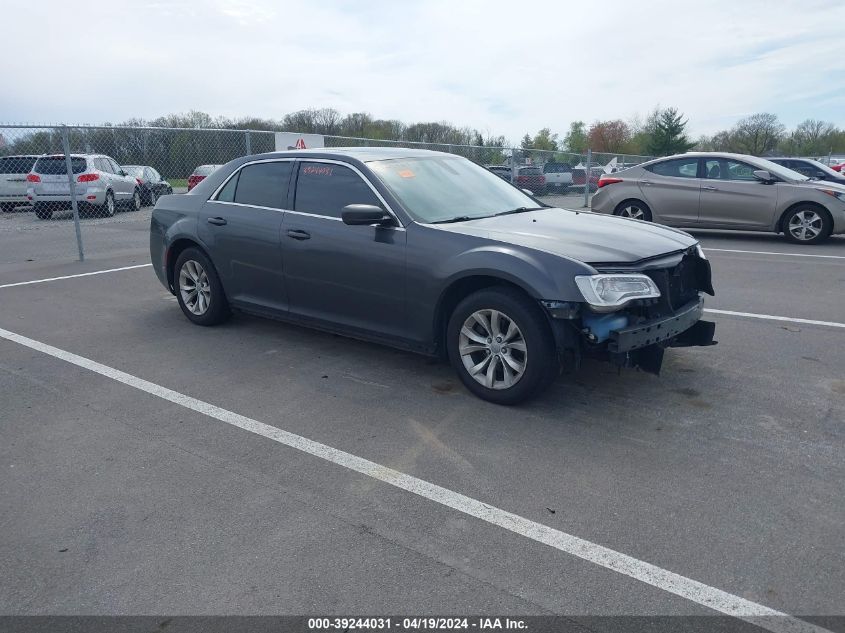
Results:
x,y
439,188
780,171
134,170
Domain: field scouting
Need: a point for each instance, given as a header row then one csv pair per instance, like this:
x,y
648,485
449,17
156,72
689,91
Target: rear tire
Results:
x,y
109,206
135,200
198,289
806,224
501,346
634,209
43,212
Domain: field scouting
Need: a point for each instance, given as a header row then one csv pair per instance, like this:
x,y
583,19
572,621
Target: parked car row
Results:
x,y
726,191
102,186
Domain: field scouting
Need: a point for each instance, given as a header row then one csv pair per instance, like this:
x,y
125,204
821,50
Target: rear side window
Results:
x,y
677,168
103,165
325,188
16,164
262,184
53,165
227,193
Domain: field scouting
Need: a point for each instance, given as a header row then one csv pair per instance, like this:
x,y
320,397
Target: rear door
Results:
x,y
672,189
732,197
124,186
352,276
241,226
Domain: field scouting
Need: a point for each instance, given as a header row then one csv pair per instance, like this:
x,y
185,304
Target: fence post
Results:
x,y
514,168
72,184
587,175
248,143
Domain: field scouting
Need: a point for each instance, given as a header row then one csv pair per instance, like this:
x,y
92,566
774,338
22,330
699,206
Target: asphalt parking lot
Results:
x,y
118,498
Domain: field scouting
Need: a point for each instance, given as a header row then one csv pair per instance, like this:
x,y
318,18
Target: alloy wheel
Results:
x,y
805,225
492,349
632,211
194,287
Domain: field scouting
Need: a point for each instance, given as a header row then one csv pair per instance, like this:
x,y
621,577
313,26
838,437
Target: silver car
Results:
x,y
100,183
13,171
725,191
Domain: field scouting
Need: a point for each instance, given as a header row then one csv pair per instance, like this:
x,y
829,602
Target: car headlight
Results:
x,y
700,251
839,195
605,293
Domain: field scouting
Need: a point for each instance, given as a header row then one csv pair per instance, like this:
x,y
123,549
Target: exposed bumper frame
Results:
x,y
659,330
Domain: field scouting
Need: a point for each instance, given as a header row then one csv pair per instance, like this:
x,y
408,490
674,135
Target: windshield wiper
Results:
x,y
518,210
460,218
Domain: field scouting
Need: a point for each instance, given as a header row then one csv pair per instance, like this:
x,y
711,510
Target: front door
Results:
x,y
348,276
733,197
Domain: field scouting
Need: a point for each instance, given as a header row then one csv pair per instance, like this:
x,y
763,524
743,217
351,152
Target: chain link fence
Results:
x,y
71,192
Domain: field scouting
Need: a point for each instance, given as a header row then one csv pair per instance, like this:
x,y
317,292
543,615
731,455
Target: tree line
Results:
x,y
206,139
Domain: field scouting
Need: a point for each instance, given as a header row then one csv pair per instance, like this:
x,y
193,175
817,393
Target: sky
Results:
x,y
502,67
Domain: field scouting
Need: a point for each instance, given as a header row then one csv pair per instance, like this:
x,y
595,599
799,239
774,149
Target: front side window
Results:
x,y
325,188
262,184
739,171
677,168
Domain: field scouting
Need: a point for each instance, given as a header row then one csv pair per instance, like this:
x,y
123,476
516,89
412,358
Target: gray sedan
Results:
x,y
725,191
431,253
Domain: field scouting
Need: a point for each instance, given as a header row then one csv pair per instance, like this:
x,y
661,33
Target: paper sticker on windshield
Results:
x,y
317,170
407,173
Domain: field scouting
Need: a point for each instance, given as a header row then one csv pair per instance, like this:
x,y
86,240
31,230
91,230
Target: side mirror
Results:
x,y
364,215
764,175
528,191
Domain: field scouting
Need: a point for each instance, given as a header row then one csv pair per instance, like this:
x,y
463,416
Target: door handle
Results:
x,y
299,235
645,182
711,188
217,221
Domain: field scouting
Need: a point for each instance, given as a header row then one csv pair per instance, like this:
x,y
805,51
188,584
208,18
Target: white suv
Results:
x,y
13,171
100,184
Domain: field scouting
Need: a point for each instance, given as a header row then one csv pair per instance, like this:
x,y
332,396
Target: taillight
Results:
x,y
87,177
605,180
33,178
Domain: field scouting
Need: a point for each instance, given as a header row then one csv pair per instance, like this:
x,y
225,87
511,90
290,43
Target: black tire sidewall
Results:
x,y
827,225
542,356
218,307
106,212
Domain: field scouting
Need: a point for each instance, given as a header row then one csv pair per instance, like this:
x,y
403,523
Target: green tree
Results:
x,y
575,139
667,134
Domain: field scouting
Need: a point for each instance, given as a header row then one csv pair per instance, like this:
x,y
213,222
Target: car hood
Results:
x,y
823,184
588,237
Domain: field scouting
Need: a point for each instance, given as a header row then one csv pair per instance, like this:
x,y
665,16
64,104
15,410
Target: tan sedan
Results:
x,y
716,190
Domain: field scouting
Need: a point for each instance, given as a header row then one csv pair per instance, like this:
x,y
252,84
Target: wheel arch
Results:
x,y
455,292
780,228
176,248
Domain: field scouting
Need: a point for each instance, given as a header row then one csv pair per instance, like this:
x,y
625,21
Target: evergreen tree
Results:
x,y
668,135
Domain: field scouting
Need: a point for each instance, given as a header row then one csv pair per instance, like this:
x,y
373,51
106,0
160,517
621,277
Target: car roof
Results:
x,y
363,154
21,156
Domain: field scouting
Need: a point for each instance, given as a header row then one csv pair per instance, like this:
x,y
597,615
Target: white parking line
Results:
x,y
731,250
770,317
96,272
605,557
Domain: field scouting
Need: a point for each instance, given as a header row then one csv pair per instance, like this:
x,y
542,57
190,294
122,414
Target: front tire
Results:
x,y
634,209
152,198
807,224
501,346
198,289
